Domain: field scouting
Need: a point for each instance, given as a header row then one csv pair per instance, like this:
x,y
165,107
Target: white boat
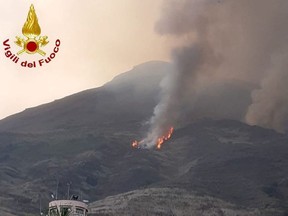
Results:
x,y
67,208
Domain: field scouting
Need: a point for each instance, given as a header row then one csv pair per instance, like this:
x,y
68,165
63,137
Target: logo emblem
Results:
x,y
32,42
32,31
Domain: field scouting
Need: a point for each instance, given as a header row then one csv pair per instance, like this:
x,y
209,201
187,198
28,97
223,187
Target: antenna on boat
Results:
x,y
40,204
68,190
56,194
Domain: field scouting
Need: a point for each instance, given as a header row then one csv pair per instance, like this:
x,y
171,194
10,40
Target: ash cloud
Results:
x,y
222,40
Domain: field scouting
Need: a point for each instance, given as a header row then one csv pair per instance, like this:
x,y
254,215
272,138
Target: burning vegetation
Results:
x,y
158,143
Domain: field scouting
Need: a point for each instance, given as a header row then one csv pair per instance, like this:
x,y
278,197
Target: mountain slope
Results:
x,y
165,201
236,163
133,93
130,97
85,139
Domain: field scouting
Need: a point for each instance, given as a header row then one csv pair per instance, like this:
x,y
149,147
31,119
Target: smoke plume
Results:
x,y
220,40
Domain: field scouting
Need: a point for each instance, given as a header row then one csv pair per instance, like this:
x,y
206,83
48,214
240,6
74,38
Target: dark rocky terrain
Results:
x,y
85,138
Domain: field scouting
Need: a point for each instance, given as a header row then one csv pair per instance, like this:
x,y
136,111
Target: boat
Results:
x,y
72,207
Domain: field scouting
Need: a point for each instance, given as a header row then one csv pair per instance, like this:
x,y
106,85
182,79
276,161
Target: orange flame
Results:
x,y
135,144
164,138
160,141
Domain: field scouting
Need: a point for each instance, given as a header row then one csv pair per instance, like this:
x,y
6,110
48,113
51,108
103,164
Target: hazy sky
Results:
x,y
99,39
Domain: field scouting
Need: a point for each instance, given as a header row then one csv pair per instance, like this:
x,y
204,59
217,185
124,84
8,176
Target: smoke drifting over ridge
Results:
x,y
221,40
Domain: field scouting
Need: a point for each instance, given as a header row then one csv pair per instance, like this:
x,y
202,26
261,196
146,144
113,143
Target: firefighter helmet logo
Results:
x,y
31,30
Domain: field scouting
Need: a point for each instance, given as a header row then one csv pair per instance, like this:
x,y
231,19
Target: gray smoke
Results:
x,y
270,102
245,40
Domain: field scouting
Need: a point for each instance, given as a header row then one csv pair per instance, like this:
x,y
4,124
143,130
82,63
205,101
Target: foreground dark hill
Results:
x,y
223,164
228,160
84,140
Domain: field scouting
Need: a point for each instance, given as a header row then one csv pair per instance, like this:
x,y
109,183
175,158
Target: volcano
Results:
x,y
215,165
